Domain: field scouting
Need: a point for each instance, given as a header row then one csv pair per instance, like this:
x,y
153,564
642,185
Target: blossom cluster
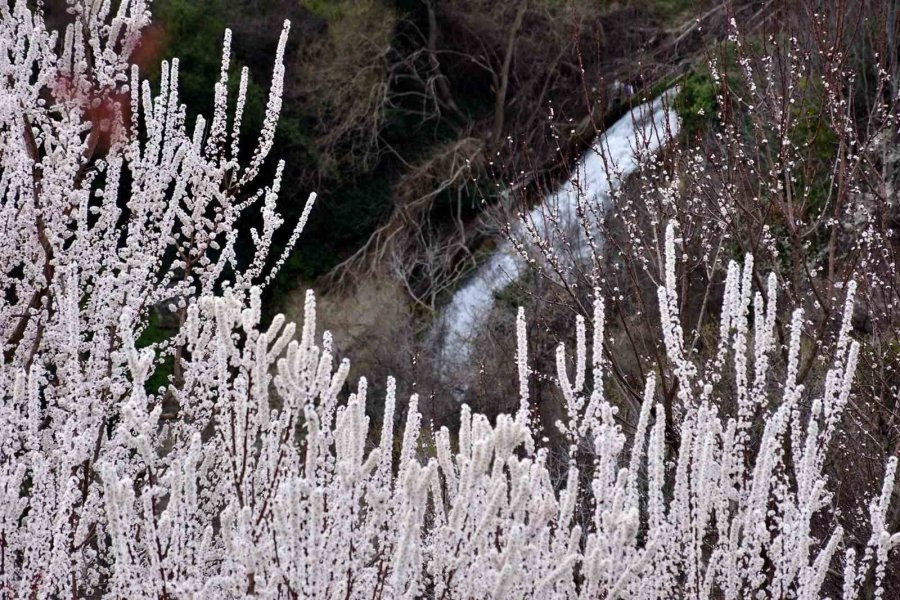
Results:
x,y
252,473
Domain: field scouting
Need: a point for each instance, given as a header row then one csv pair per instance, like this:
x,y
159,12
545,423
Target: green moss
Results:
x,y
696,101
329,10
193,31
812,132
154,333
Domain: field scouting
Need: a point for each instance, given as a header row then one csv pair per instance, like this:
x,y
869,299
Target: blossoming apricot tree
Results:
x,y
250,475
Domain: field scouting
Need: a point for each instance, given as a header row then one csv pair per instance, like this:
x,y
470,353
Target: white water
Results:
x,y
616,154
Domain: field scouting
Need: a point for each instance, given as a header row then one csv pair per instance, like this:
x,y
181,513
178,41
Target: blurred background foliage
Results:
x,y
416,121
385,99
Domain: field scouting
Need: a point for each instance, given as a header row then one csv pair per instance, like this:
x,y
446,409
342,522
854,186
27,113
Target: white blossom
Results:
x,y
251,473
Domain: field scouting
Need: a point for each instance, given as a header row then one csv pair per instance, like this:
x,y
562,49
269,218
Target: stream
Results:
x,y
615,154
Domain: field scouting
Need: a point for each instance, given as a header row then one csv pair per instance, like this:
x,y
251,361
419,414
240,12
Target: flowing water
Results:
x,y
614,155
